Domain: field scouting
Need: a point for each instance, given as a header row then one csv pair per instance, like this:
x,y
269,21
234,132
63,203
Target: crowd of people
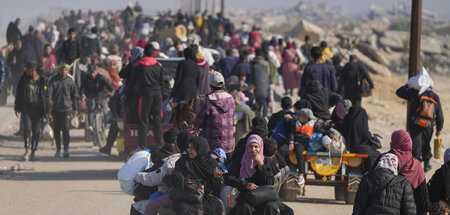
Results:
x,y
113,59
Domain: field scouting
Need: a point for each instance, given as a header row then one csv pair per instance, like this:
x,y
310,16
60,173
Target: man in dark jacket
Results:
x,y
425,112
226,65
353,72
325,72
320,98
70,50
383,191
260,78
16,61
63,98
13,33
32,45
31,102
90,44
93,89
150,78
242,67
215,116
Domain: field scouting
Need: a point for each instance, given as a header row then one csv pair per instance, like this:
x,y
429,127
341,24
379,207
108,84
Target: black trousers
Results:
x,y
31,128
421,138
298,150
112,134
150,112
61,125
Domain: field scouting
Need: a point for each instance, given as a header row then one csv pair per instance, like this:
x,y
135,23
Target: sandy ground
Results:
x,y
86,183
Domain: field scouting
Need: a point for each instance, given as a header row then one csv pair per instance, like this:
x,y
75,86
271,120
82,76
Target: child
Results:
x,y
304,128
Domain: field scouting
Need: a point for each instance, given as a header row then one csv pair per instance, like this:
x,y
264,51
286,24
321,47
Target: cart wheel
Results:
x,y
349,197
290,195
339,193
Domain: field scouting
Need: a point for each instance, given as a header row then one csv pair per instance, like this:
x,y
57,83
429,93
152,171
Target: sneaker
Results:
x,y
57,154
25,155
66,154
427,168
32,157
105,150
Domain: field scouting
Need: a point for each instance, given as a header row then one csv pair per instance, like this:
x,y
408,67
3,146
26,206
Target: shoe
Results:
x,y
90,128
57,154
32,157
105,150
426,166
25,155
18,133
66,153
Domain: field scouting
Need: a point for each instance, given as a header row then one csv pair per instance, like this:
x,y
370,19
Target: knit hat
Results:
x,y
307,112
216,80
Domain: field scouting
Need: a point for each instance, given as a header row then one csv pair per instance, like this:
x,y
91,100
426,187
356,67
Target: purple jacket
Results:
x,y
215,116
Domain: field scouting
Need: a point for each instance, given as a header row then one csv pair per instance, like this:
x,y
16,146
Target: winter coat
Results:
x,y
186,80
63,93
94,88
349,79
395,198
22,103
320,98
70,51
149,74
21,58
260,78
325,74
290,68
13,33
439,185
215,116
90,44
32,46
155,178
226,65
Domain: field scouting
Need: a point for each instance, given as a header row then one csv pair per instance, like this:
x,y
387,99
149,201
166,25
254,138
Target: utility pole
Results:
x,y
222,9
414,43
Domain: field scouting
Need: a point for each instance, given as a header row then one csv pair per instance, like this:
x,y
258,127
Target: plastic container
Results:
x,y
139,162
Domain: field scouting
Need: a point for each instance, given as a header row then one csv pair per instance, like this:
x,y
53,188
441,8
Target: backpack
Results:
x,y
280,133
426,112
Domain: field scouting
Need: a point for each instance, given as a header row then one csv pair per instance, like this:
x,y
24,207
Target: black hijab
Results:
x,y
183,140
356,127
202,166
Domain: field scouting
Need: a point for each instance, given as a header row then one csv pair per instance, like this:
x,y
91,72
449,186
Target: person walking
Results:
x,y
306,49
13,33
32,45
31,103
352,74
384,191
186,78
325,72
70,50
290,69
63,98
425,112
259,76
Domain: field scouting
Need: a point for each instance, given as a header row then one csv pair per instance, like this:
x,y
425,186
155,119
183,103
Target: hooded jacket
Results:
x,y
321,99
215,116
22,103
149,74
396,198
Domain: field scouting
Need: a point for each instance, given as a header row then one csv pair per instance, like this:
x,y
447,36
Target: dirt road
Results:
x,y
86,183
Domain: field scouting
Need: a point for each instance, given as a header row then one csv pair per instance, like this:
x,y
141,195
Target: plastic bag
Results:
x,y
421,81
75,122
47,132
139,162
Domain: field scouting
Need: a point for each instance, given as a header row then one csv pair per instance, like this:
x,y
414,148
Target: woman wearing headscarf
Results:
x,y
410,167
357,135
384,191
256,170
131,90
186,78
339,113
439,184
193,170
289,69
